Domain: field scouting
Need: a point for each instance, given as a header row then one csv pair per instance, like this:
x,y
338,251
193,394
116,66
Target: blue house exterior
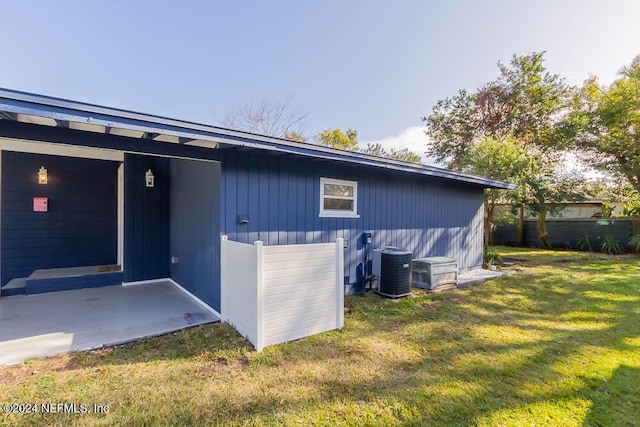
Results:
x,y
280,197
208,182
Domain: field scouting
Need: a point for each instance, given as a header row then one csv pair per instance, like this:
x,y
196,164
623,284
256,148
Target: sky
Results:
x,y
373,66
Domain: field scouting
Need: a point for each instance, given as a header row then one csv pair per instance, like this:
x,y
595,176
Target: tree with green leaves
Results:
x,y
403,154
506,160
606,122
348,140
526,105
336,138
525,102
374,150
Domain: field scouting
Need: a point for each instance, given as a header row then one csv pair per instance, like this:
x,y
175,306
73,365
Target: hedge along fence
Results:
x,y
568,233
274,294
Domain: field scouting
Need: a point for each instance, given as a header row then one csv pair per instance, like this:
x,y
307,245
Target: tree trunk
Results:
x,y
492,227
487,227
541,226
521,226
490,222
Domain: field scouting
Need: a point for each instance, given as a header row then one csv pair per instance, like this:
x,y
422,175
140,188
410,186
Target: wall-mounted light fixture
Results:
x,y
149,178
43,178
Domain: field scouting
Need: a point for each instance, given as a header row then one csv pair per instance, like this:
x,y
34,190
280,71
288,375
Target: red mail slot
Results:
x,y
40,204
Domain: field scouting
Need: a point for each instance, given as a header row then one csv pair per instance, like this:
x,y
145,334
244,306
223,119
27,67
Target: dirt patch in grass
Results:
x,y
430,307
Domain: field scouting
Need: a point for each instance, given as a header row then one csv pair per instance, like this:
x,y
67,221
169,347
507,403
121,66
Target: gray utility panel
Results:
x,y
433,272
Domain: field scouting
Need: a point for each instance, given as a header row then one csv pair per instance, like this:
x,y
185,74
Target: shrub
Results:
x,y
491,256
634,243
584,244
631,209
611,245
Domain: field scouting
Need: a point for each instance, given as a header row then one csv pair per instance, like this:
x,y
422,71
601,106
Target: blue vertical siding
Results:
x,y
195,229
280,194
242,198
146,219
80,228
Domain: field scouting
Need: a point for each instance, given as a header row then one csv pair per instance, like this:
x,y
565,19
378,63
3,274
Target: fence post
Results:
x,y
339,283
259,301
223,279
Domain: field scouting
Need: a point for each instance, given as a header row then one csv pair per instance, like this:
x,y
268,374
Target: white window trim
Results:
x,y
334,213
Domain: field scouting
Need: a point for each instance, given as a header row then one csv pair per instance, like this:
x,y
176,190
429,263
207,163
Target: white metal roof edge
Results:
x,y
71,111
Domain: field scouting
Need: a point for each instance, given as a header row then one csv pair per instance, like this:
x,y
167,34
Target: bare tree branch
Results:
x,y
271,118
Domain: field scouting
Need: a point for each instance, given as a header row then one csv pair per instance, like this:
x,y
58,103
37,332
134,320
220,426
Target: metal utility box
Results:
x,y
434,272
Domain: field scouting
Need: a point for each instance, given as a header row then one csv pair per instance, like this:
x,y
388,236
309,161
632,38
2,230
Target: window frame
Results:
x,y
333,213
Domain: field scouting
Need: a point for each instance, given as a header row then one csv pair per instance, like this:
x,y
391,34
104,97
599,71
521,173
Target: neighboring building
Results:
x,y
143,197
588,208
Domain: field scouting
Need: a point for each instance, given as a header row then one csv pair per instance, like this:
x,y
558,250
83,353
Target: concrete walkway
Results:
x,y
474,277
46,324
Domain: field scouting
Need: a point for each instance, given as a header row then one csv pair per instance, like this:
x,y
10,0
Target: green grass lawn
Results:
x,y
557,343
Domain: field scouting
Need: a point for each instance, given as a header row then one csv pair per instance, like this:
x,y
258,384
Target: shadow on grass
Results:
x,y
518,349
615,401
455,357
215,340
442,388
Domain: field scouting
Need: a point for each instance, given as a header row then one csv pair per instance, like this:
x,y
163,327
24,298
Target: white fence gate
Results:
x,y
273,294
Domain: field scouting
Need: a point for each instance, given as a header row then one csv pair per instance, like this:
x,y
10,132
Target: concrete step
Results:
x,y
67,283
14,287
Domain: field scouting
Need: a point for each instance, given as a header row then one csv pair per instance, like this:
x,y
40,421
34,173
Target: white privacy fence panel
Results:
x,y
299,290
238,292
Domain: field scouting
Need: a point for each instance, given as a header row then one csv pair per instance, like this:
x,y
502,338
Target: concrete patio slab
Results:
x,y
474,277
46,324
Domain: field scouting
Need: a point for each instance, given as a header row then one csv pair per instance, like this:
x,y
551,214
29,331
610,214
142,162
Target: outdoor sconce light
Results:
x,y
42,176
149,178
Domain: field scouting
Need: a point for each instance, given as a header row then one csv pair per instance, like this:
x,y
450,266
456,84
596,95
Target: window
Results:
x,y
338,198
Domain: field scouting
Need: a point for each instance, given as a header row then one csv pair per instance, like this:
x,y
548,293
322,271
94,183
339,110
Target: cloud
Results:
x,y
412,138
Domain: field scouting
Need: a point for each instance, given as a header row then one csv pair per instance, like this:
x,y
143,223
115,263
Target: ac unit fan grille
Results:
x,y
395,274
